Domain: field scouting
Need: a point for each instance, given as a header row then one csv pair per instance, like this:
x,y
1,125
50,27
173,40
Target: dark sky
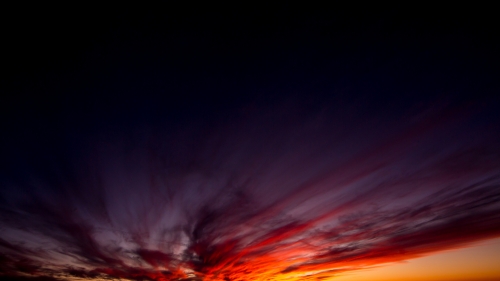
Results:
x,y
240,142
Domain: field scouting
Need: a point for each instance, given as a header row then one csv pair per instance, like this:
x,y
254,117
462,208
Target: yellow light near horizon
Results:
x,y
478,262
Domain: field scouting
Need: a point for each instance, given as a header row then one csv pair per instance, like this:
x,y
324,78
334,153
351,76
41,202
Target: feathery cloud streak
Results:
x,y
277,194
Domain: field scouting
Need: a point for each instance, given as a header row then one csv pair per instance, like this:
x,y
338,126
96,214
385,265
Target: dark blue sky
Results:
x,y
88,69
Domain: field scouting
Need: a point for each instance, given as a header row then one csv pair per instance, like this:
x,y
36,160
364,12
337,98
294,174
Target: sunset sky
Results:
x,y
245,143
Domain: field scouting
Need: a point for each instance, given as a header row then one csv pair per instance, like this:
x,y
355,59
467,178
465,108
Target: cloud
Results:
x,y
248,199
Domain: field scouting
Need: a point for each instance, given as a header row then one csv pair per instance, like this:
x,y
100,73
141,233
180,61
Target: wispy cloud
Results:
x,y
254,199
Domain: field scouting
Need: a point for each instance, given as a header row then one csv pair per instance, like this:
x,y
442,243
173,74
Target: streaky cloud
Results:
x,y
265,196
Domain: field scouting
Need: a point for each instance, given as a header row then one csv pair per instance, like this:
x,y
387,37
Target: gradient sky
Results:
x,y
277,143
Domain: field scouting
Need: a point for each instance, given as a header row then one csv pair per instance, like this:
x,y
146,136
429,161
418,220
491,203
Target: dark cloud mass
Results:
x,y
275,143
262,196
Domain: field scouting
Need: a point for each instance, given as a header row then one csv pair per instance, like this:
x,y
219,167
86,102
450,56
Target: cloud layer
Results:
x,y
283,193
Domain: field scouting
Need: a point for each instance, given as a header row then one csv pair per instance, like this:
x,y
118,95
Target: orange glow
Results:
x,y
473,263
464,264
477,263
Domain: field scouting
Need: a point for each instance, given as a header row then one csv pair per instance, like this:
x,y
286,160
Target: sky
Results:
x,y
239,143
